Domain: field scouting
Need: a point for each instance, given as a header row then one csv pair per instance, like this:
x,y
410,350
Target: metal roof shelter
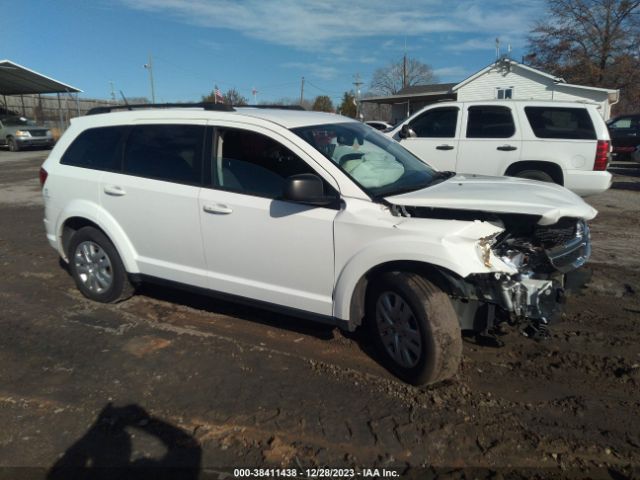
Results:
x,y
412,98
18,80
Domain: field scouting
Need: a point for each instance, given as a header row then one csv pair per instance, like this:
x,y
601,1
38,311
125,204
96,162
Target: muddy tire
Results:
x,y
535,175
97,268
414,327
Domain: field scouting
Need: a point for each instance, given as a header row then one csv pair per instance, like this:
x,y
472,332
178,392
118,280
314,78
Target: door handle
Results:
x,y
217,208
444,147
114,190
507,148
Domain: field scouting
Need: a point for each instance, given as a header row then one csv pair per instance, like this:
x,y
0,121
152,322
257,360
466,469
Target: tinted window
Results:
x,y
490,122
621,123
254,164
560,122
165,152
440,123
95,148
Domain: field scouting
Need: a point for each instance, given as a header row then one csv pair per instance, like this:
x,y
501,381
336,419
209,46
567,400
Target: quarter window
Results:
x,y
254,164
436,123
490,121
165,152
95,148
560,122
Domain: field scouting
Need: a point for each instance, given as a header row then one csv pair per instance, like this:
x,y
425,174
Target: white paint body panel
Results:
x,y
502,195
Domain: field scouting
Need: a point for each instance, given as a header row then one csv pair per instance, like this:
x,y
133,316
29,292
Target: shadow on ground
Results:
x,y
106,450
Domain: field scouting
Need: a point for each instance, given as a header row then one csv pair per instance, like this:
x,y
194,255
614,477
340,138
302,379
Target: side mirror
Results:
x,y
406,132
306,188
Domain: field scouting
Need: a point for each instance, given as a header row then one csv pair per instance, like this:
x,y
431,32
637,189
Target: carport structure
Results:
x,y
16,80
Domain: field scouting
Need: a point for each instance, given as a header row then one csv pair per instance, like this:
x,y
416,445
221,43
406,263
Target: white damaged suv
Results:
x,y
314,215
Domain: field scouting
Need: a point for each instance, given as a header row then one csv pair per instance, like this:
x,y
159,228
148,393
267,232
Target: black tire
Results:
x,y
535,175
98,289
13,145
432,317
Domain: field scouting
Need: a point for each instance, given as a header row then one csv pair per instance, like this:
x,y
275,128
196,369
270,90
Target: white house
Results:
x,y
505,78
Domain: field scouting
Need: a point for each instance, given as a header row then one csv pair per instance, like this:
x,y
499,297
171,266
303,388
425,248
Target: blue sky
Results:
x,y
262,44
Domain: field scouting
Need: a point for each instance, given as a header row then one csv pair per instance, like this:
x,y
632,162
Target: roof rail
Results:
x,y
279,107
148,106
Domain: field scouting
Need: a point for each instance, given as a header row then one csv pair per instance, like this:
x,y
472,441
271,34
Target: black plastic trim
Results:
x,y
222,107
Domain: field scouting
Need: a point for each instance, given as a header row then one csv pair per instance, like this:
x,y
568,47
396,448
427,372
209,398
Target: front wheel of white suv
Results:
x,y
97,268
414,327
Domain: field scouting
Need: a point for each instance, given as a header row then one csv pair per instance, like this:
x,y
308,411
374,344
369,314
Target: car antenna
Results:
x,y
125,100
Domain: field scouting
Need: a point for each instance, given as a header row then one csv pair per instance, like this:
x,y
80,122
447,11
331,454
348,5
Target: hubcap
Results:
x,y
93,266
398,329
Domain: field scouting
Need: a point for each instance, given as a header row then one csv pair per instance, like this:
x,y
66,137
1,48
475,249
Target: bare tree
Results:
x,y
591,42
391,79
232,97
306,104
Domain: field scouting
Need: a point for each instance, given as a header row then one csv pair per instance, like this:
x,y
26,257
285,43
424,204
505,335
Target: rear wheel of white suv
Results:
x,y
535,175
97,268
414,327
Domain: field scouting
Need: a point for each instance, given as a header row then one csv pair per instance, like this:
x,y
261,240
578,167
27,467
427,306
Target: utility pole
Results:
x,y
149,67
302,91
254,92
404,65
113,92
357,84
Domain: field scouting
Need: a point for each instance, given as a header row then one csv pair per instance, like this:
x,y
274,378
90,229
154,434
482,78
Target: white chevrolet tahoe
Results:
x,y
562,142
311,214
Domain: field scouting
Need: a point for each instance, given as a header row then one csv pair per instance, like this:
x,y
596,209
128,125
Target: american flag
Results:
x,y
217,94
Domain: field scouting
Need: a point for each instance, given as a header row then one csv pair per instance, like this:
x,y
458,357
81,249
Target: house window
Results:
x,y
504,93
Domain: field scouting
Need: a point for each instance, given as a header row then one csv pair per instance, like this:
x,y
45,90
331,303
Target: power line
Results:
x,y
322,89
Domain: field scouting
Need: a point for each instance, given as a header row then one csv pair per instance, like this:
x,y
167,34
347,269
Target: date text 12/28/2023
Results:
x,y
315,473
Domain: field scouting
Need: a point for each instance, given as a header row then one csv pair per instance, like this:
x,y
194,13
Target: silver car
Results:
x,y
20,132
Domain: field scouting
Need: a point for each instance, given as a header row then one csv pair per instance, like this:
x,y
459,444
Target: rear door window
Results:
x,y
489,121
96,148
561,122
165,152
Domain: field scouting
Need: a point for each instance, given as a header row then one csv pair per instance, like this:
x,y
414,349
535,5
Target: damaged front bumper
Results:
x,y
528,285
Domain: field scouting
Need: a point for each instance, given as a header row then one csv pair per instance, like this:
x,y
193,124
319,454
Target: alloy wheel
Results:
x,y
93,267
398,329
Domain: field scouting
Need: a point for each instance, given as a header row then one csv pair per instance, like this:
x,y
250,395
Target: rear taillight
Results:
x,y
602,155
43,177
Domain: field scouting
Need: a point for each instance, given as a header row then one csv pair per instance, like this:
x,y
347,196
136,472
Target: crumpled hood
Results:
x,y
500,195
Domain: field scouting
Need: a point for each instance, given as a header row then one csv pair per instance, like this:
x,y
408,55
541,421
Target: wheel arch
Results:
x,y
443,278
552,168
82,216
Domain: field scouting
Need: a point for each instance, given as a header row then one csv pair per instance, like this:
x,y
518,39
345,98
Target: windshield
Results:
x,y
17,122
379,165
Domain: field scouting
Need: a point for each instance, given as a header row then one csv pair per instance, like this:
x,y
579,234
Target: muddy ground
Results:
x,y
168,379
